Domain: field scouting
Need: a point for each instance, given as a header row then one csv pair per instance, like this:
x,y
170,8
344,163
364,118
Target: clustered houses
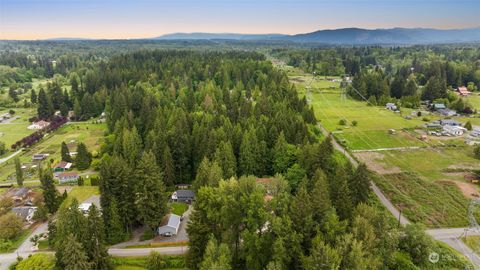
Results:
x,y
23,199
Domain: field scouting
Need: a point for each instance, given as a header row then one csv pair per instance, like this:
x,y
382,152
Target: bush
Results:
x,y
342,122
80,181
94,181
476,152
419,113
39,261
10,226
354,123
425,119
468,125
155,261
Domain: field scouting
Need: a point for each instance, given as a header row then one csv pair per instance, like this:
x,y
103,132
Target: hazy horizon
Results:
x,y
130,19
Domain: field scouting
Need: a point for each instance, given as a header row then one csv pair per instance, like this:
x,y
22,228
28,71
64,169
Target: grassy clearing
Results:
x,y
43,245
179,208
473,242
17,128
436,204
90,134
432,163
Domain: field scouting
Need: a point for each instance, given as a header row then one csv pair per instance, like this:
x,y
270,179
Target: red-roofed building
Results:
x,y
463,91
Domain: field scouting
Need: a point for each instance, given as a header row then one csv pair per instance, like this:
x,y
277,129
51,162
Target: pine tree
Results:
x,y
217,257
18,172
151,198
45,108
208,174
249,160
50,193
131,146
359,185
320,196
225,158
65,152
167,167
322,257
74,257
340,193
283,155
114,228
83,158
33,97
95,240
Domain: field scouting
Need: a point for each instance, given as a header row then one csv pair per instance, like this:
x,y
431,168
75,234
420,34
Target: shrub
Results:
x,y
155,261
80,181
10,226
342,122
147,235
354,123
468,125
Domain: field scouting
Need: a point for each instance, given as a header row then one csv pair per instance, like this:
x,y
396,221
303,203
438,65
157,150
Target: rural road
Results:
x,y
451,237
5,159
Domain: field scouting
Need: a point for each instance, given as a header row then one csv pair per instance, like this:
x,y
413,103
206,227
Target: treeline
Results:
x,y
394,72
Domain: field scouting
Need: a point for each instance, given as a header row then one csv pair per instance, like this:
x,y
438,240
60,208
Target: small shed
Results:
x,y
62,166
171,225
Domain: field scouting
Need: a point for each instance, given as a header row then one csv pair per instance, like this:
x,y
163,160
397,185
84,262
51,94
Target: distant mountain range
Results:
x,y
344,36
350,36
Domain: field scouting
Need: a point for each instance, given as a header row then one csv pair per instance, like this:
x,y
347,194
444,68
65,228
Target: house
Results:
x,y
449,122
475,132
182,186
462,91
39,157
25,212
39,125
439,106
183,195
171,225
67,177
62,166
454,130
391,106
20,195
447,112
85,207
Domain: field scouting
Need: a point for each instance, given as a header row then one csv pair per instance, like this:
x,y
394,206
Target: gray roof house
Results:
x,y
26,213
171,227
439,106
183,195
450,122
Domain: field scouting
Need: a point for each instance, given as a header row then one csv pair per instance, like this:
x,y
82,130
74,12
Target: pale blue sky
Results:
x,y
37,19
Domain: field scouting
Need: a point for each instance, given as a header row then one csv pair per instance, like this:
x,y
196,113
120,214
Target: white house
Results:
x,y
39,125
454,130
67,177
84,207
171,227
391,106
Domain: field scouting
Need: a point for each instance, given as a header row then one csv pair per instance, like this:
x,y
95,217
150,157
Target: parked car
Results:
x,y
167,234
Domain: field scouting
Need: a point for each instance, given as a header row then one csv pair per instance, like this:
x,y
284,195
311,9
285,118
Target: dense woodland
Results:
x,y
219,120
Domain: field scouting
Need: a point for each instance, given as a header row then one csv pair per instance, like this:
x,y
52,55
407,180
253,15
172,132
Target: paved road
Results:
x,y
127,252
5,159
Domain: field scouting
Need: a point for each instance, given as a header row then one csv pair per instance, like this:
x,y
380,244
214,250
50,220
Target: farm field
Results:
x,y
17,128
90,134
373,123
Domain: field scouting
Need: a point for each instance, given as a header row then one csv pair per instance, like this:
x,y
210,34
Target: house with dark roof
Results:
x,y
170,225
39,157
25,212
183,195
450,122
439,106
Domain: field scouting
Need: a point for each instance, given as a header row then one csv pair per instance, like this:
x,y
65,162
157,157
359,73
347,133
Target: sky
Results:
x,y
127,19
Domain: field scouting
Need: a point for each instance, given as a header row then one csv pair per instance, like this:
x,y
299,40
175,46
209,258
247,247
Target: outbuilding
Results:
x,y
170,225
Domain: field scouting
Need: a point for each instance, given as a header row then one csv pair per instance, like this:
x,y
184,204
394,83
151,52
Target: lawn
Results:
x,y
81,193
435,204
134,263
473,242
474,100
179,208
16,129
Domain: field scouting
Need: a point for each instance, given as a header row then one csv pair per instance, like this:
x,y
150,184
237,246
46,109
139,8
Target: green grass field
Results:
x,y
331,105
435,204
17,128
90,134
